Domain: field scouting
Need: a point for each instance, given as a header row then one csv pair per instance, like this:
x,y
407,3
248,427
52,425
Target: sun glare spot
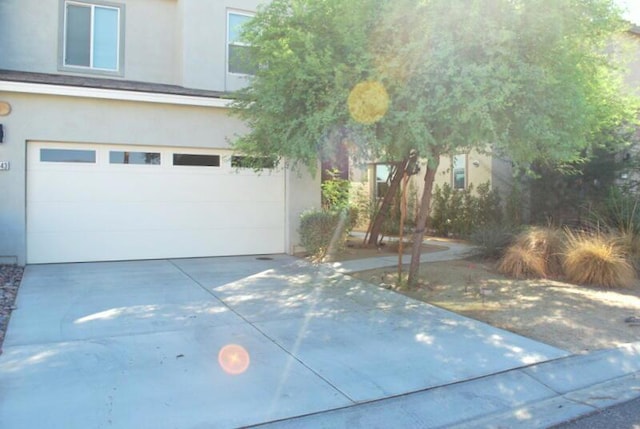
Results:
x,y
424,338
368,102
233,359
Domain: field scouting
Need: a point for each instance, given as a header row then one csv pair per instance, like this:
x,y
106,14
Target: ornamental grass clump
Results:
x,y
536,252
595,259
520,262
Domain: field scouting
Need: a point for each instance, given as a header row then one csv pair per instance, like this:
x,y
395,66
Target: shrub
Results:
x,y
594,259
535,252
619,213
335,191
489,207
461,212
491,241
521,262
316,231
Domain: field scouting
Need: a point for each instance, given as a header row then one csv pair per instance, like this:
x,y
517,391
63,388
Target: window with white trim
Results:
x,y
383,174
459,171
92,36
238,53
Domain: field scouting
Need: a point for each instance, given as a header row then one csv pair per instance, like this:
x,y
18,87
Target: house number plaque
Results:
x,y
4,165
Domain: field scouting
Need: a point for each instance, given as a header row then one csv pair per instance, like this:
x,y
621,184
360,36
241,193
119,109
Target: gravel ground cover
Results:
x,y
10,277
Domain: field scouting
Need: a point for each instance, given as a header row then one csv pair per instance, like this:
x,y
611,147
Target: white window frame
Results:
x,y
119,47
229,43
463,159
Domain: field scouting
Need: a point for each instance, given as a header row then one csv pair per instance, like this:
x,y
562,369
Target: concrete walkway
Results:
x,y
144,344
453,251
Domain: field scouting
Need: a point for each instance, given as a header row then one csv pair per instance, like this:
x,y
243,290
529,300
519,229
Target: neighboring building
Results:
x,y
460,172
115,135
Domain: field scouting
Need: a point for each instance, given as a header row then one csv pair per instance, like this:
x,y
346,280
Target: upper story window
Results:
x,y
238,54
92,36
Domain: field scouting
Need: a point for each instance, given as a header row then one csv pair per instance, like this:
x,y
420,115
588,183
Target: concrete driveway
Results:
x,y
138,344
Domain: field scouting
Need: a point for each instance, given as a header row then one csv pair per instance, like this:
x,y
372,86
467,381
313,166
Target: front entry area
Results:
x,y
90,202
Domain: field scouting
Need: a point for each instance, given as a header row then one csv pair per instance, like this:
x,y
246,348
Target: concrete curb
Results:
x,y
537,396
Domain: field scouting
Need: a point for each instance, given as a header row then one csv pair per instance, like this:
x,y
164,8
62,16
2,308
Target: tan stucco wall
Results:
x,y
85,120
480,168
631,50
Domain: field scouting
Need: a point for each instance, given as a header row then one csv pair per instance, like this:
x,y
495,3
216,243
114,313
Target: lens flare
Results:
x,y
368,102
233,359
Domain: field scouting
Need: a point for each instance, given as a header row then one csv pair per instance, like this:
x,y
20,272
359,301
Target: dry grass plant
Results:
x,y
596,259
519,262
536,252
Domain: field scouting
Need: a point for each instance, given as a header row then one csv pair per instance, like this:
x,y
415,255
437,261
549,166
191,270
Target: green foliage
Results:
x,y
513,205
579,185
491,241
530,76
461,212
489,206
316,230
619,214
335,192
620,211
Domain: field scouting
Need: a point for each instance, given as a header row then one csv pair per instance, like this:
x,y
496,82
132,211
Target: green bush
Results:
x,y
461,212
513,205
492,241
335,192
620,211
316,231
488,206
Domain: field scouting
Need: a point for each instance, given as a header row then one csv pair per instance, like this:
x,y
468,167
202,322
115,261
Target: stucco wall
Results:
x,y
83,120
480,168
632,52
179,42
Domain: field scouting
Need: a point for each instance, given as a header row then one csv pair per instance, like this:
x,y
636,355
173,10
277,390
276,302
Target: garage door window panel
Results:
x,y
138,158
196,160
68,155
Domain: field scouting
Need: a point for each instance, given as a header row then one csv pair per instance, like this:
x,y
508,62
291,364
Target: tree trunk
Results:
x,y
423,215
376,224
403,215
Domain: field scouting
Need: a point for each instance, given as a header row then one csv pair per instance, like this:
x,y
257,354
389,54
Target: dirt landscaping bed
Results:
x,y
575,318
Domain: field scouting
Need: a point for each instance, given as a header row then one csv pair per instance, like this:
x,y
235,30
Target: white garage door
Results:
x,y
100,203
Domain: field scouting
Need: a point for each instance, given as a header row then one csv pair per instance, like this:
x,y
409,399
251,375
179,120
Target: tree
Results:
x,y
529,79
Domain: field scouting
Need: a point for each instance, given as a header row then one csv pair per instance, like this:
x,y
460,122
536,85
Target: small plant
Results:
x,y
520,262
492,241
594,259
335,191
316,230
535,252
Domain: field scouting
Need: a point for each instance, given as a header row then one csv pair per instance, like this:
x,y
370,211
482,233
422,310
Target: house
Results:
x,y
371,180
114,135
459,171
